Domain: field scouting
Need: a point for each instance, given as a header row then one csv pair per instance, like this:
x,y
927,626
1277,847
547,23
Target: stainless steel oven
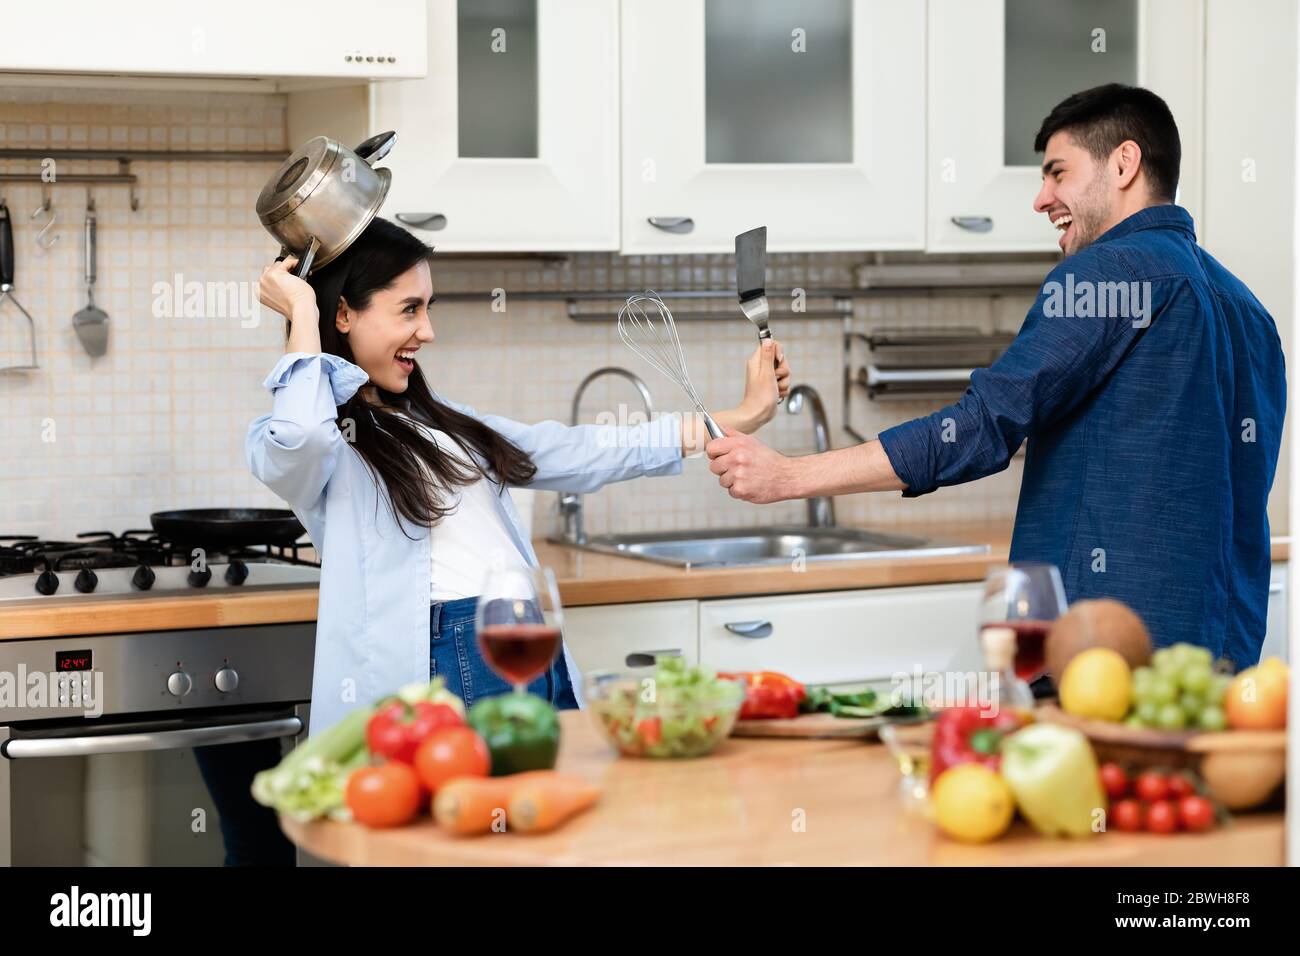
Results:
x,y
98,738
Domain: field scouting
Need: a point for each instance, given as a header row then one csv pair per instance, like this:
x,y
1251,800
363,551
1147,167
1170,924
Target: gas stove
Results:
x,y
134,563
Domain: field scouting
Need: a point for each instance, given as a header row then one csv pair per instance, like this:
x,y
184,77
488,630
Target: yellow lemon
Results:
x,y
1097,684
972,803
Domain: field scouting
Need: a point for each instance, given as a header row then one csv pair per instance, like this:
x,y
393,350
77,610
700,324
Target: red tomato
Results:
x,y
451,752
1128,816
383,796
1114,780
1162,817
651,731
1180,786
1196,813
1151,786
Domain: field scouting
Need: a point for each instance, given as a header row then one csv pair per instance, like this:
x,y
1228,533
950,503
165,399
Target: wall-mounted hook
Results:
x,y
43,239
124,169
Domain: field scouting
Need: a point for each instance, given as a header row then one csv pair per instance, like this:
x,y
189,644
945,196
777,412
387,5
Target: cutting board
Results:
x,y
817,726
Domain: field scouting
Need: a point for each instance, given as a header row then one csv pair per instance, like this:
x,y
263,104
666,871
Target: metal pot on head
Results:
x,y
323,196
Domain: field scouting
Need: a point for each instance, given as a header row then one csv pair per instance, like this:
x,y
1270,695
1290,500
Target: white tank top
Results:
x,y
470,541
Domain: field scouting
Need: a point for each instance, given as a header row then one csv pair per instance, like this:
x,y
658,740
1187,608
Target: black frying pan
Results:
x,y
217,528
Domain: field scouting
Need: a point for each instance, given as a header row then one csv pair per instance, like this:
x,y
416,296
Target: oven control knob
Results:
x,y
199,579
179,684
227,680
86,580
237,572
143,578
48,582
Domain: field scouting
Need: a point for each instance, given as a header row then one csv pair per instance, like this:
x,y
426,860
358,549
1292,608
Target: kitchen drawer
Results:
x,y
845,637
608,637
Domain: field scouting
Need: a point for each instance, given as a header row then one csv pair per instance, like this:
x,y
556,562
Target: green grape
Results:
x,y
1147,711
1171,717
1163,690
1201,655
1182,653
1192,704
1197,679
1164,660
1219,684
1142,678
1211,718
1133,720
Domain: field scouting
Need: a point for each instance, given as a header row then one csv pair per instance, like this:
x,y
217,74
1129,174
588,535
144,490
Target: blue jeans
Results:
x,y
454,656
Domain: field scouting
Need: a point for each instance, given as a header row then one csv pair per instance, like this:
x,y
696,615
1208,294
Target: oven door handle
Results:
x,y
161,740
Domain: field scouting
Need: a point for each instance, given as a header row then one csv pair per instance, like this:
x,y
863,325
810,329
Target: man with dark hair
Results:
x,y
1147,379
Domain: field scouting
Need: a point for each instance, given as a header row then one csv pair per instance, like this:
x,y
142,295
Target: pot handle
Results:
x,y
305,260
376,147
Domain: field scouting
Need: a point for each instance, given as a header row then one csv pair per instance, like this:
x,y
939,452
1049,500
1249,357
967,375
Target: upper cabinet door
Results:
x,y
997,67
806,116
511,141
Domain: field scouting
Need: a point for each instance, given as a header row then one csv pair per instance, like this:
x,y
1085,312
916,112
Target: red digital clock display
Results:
x,y
72,660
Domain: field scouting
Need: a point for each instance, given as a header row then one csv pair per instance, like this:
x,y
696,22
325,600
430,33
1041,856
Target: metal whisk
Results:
x,y
645,324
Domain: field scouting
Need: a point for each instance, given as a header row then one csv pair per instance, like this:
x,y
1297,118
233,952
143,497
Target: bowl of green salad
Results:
x,y
674,710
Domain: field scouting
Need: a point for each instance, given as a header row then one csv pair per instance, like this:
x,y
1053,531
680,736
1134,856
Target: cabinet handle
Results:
x,y
432,221
750,628
647,658
1277,587
677,224
972,223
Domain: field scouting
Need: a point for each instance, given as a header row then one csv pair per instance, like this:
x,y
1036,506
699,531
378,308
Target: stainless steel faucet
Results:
x,y
571,503
821,511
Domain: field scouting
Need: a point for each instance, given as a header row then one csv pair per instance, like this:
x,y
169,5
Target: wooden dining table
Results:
x,y
763,802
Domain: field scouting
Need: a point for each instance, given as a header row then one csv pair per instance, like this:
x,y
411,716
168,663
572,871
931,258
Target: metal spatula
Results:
x,y
751,279
91,323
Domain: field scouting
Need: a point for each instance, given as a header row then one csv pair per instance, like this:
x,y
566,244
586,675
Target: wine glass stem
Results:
x,y
520,688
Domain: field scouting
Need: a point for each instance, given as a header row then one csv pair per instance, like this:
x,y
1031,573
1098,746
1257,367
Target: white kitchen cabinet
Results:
x,y
622,636
996,69
1275,636
806,116
511,140
845,637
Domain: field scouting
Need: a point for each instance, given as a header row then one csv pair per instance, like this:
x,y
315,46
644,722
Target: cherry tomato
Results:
x,y
1128,816
1196,813
1151,786
1180,786
1162,817
1114,780
650,730
451,752
383,796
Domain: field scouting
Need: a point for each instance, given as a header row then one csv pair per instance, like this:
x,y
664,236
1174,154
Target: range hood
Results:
x,y
224,45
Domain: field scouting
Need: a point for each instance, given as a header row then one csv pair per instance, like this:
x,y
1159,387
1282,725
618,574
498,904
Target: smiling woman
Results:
x,y
405,493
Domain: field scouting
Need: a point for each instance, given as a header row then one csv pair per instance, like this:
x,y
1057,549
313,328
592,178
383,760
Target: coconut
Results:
x,y
1097,623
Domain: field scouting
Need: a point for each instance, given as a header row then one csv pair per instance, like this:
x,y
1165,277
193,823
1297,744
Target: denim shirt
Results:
x,y
372,630
1150,385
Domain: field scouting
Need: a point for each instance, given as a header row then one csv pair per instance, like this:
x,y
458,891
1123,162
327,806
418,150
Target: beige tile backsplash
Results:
x,y
159,422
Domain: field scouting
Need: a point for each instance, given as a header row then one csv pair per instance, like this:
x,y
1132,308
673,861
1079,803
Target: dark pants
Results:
x,y
249,830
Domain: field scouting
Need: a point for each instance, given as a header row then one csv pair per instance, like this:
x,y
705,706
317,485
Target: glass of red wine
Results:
x,y
1026,597
519,620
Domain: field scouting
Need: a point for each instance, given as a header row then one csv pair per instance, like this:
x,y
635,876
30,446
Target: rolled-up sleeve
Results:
x,y
294,449
1053,364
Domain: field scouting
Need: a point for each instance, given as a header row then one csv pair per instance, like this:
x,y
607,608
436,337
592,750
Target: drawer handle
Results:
x,y
677,224
647,658
432,221
750,628
1277,587
973,223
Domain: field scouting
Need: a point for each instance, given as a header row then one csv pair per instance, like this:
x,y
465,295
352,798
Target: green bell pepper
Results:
x,y
522,732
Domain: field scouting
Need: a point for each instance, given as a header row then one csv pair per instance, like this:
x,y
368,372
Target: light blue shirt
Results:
x,y
372,628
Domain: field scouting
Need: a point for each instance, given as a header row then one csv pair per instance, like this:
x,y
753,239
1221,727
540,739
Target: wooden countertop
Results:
x,y
736,807
585,578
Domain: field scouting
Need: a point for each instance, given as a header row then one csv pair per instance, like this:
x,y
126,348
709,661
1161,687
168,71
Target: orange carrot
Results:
x,y
549,799
471,805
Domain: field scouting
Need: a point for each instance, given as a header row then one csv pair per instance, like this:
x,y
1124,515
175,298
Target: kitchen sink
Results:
x,y
738,547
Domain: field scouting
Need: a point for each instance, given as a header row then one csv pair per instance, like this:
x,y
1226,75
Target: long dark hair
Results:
x,y
415,474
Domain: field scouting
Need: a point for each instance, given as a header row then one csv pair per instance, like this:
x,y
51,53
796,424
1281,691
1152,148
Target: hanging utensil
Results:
x,y
91,323
44,241
751,280
323,196
646,326
7,285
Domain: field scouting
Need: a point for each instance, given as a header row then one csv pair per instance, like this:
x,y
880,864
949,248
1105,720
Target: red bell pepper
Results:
x,y
768,694
397,729
970,735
